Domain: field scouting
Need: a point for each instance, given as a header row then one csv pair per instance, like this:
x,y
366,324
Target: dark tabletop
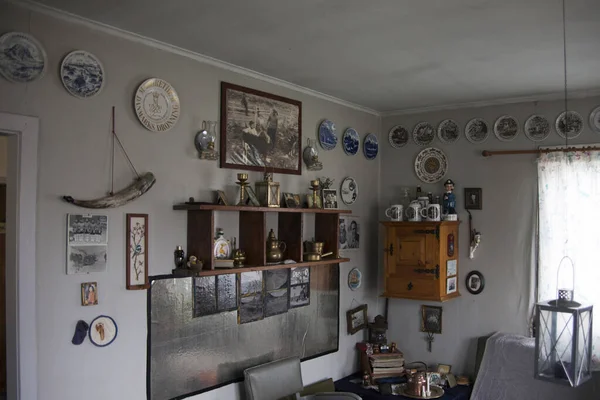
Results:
x,y
344,385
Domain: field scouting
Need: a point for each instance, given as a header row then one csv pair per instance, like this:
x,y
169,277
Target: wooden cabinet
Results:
x,y
417,258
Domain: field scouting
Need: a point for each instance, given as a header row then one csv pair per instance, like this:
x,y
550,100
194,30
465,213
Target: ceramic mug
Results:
x,y
395,212
424,201
431,213
413,211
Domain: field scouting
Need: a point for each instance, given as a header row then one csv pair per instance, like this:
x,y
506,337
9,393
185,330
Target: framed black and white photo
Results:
x,y
300,295
277,284
226,292
451,285
290,201
329,198
349,233
473,199
475,282
356,319
87,243
260,131
250,290
431,319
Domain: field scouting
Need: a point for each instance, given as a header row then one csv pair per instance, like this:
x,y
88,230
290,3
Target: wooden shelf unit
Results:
x,y
253,235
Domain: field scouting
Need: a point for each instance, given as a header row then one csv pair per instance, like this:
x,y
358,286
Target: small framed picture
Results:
x,y
431,319
451,285
451,267
444,369
475,282
89,294
357,319
329,198
137,252
473,199
290,201
435,378
222,198
252,199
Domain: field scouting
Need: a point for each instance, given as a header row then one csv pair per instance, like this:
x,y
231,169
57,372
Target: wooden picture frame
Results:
x,y
89,294
473,199
222,198
136,243
431,319
260,131
252,199
356,319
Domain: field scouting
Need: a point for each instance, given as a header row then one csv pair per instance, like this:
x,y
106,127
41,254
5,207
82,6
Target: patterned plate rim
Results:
x,y
37,44
414,135
595,111
418,170
526,131
390,136
62,64
558,119
496,128
467,130
346,132
439,131
365,148
348,178
174,94
334,135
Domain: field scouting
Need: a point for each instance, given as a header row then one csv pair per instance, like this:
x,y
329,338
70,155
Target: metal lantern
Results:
x,y
267,191
563,343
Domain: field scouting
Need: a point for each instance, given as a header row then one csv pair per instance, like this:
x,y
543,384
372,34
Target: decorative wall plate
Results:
x,y
398,136
448,131
350,141
575,126
431,165
354,279
506,128
595,120
327,136
82,74
423,133
371,146
157,105
349,190
103,331
537,128
22,57
477,131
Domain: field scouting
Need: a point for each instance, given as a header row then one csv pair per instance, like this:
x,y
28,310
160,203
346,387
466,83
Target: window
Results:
x,y
569,225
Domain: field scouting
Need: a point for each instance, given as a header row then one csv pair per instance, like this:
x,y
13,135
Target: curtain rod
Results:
x,y
487,153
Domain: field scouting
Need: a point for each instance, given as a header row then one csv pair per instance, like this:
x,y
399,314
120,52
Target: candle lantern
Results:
x,y
563,343
267,191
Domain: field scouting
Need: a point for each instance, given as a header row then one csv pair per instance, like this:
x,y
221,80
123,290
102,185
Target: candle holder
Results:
x,y
242,178
314,186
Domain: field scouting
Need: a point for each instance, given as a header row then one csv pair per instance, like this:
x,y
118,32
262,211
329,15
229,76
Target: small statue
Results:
x,y
376,349
393,347
449,200
366,379
475,240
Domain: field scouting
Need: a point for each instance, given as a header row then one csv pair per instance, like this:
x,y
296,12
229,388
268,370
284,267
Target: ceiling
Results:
x,y
384,54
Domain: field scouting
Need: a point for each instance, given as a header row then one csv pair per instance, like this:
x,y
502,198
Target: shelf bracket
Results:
x,y
435,232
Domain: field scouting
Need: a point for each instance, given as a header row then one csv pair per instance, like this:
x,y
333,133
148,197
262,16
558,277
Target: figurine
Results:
x,y
393,347
194,263
475,240
376,349
179,257
449,201
366,381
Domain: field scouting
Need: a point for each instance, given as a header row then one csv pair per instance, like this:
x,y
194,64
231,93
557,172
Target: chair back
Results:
x,y
274,380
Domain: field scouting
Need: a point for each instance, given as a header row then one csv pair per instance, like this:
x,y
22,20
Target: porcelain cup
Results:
x,y
424,201
431,213
395,212
413,212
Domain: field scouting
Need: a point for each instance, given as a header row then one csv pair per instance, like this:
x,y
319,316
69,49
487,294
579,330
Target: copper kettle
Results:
x,y
417,380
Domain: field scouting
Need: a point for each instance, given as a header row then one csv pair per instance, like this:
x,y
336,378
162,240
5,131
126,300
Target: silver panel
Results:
x,y
189,355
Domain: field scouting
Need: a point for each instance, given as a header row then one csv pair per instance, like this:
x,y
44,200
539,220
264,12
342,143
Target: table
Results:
x,y
344,385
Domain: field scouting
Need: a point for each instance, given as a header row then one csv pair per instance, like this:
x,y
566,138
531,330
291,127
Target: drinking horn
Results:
x,y
140,186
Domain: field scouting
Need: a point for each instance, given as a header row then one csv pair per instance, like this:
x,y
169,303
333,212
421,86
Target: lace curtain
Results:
x,y
569,225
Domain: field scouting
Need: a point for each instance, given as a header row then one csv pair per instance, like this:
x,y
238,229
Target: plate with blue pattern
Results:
x,y
371,147
22,57
82,74
350,141
327,136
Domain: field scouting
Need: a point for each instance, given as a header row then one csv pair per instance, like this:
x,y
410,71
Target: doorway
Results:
x,y
2,267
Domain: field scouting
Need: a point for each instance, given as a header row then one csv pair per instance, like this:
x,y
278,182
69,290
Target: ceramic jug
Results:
x,y
275,248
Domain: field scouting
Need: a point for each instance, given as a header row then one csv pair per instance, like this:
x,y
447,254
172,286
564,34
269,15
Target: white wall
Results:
x,y
74,159
506,222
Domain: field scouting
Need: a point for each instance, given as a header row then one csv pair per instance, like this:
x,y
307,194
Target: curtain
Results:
x,y
569,225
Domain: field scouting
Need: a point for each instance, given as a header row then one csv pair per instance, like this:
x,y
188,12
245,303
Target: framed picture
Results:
x,y
277,284
451,267
89,294
473,199
87,243
289,200
431,319
451,285
357,319
226,286
329,198
222,198
435,378
260,131
250,290
252,199
349,233
444,369
475,282
137,252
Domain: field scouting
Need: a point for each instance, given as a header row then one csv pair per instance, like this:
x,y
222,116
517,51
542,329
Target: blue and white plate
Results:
x,y
82,74
22,58
327,136
350,141
354,279
371,147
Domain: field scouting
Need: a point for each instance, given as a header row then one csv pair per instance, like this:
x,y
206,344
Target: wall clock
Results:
x,y
157,105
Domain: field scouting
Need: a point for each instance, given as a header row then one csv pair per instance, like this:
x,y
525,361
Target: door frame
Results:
x,y
21,206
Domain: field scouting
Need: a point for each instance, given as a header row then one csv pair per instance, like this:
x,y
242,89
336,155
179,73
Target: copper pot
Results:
x,y
416,382
313,247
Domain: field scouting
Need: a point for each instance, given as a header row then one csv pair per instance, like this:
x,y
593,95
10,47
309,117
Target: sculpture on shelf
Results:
x,y
449,201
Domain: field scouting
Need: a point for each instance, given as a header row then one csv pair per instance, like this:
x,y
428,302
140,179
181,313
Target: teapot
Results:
x,y
275,248
416,382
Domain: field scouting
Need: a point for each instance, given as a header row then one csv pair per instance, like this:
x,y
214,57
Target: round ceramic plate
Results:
x,y
22,57
537,128
448,131
103,331
82,74
477,131
350,141
423,134
354,279
349,190
595,120
398,136
431,165
575,125
157,105
327,137
506,128
371,146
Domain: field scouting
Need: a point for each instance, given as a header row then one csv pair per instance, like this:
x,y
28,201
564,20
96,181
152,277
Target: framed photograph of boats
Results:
x,y
260,131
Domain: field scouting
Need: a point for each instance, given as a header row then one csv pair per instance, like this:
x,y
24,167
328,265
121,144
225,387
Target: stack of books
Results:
x,y
387,364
